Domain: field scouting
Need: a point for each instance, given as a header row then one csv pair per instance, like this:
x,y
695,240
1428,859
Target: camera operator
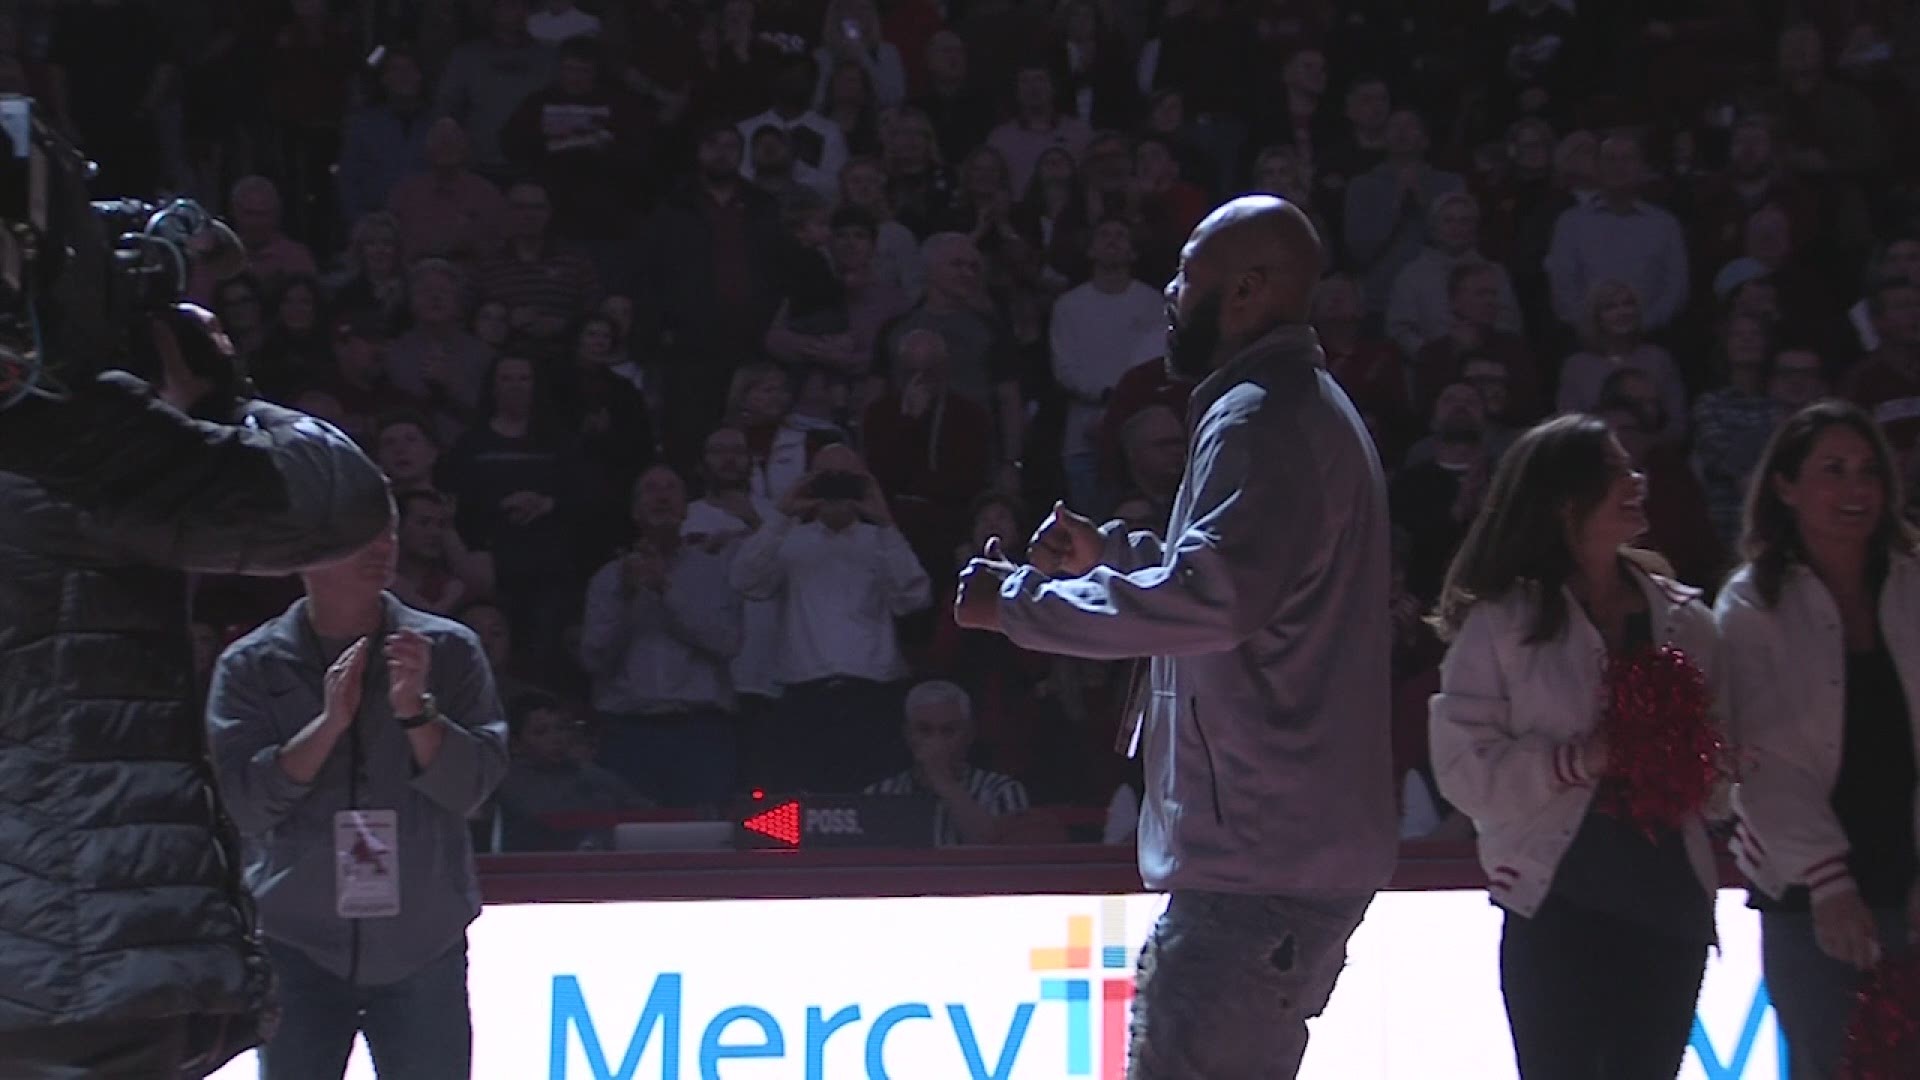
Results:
x,y
841,573
127,944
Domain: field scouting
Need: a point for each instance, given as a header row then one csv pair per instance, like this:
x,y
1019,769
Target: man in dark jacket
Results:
x,y
127,946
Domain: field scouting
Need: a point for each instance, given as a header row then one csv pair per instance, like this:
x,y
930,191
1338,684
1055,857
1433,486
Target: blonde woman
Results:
x,y
376,277
1612,338
780,439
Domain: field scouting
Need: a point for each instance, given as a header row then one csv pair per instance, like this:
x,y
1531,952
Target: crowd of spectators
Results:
x,y
703,341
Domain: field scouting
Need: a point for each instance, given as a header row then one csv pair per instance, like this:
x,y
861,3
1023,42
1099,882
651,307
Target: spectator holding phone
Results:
x,y
850,33
842,573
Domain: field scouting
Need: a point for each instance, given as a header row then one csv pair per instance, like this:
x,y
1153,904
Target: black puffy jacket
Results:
x,y
119,890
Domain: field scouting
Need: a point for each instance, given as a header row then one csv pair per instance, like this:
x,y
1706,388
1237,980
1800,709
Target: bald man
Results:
x,y
1268,813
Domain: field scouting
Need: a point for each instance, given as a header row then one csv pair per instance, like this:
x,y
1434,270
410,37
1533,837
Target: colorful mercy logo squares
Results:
x,y
1080,954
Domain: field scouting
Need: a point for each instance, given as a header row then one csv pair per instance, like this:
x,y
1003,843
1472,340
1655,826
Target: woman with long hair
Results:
x,y
983,199
779,443
1821,632
515,477
1052,215
298,346
849,103
1607,923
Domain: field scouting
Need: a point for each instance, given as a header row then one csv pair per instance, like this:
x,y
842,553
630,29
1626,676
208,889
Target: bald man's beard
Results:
x,y
1193,342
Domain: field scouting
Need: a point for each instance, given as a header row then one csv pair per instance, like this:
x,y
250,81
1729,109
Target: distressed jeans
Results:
x,y
1227,983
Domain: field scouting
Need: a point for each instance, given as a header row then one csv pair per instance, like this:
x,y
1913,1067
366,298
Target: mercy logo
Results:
x,y
1116,991
721,1037
1735,1067
1070,974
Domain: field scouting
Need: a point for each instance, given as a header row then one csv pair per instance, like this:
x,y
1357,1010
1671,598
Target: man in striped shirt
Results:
x,y
545,285
975,806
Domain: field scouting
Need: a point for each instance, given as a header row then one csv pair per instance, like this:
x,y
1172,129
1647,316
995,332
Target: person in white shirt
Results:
x,y
1821,630
842,574
1618,235
1898,258
1420,306
660,627
1607,923
731,511
819,148
1096,331
561,20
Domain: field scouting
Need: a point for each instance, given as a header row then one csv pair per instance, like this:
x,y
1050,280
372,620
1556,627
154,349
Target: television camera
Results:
x,y
78,275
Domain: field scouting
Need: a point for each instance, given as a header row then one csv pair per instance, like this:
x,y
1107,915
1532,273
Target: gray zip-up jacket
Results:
x,y
266,687
1265,611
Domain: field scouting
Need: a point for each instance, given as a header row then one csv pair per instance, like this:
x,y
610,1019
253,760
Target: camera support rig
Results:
x,y
75,272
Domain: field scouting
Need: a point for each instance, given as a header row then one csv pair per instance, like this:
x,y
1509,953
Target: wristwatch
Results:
x,y
429,712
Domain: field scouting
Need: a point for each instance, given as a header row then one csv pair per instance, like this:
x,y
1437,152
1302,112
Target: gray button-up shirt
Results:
x,y
269,685
656,652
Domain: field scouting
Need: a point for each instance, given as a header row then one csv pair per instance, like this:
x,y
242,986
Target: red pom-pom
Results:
x,y
1666,755
1883,1037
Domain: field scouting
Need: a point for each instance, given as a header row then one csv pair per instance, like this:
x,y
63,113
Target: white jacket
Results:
x,y
1510,717
1786,702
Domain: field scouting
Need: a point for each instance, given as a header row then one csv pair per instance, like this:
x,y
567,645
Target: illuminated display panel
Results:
x,y
1013,987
